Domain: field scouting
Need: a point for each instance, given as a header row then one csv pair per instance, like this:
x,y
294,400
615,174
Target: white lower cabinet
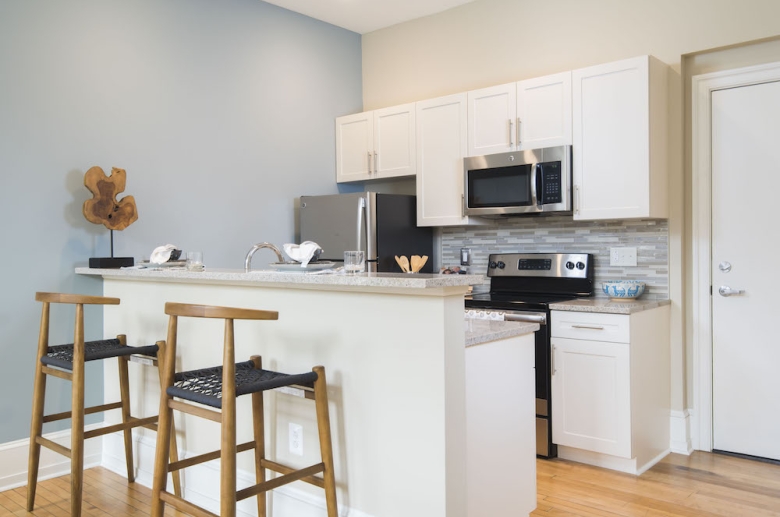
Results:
x,y
611,387
591,389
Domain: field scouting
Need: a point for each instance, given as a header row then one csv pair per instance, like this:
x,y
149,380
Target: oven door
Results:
x,y
544,446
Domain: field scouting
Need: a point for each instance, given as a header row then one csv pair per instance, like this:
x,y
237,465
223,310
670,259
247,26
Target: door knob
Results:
x,y
728,291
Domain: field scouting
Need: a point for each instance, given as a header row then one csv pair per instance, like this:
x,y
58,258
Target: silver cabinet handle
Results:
x,y
727,291
518,132
369,162
589,327
552,361
376,163
511,133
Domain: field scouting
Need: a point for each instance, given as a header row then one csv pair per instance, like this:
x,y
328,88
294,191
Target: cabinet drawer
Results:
x,y
613,328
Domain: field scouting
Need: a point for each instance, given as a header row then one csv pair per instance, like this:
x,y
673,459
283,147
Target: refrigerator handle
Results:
x,y
360,214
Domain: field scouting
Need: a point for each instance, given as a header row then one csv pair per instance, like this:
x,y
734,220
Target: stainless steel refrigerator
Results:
x,y
382,225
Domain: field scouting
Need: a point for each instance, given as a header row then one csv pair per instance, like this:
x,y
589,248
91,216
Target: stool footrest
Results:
x,y
283,469
133,422
294,475
56,447
209,456
185,506
87,411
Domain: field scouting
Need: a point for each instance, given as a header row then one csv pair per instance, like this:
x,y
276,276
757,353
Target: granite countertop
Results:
x,y
607,306
411,281
483,331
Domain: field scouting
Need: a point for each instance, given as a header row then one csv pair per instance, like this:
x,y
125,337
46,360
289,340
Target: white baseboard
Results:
x,y
201,483
680,432
627,465
14,456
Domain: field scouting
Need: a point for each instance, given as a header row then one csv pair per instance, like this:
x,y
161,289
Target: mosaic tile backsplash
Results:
x,y
564,235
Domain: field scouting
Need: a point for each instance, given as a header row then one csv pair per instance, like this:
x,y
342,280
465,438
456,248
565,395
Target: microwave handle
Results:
x,y
539,184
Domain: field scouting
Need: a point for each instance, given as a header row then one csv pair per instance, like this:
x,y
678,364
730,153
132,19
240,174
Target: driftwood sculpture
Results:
x,y
104,208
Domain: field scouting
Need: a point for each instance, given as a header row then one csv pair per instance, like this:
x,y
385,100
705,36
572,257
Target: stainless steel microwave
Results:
x,y
535,181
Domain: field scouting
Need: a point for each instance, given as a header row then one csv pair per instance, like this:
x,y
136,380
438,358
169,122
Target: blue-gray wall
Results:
x,y
222,113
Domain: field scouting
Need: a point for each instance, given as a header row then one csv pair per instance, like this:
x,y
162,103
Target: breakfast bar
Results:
x,y
394,349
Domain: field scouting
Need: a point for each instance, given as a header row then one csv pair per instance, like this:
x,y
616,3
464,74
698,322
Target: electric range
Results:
x,y
522,287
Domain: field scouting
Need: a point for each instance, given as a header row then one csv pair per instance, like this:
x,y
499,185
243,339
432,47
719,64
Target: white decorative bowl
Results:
x,y
623,289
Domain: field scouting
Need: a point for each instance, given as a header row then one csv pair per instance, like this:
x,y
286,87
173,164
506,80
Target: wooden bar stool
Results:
x,y
67,362
218,387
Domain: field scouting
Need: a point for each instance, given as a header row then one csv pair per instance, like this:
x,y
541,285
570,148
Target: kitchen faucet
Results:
x,y
248,260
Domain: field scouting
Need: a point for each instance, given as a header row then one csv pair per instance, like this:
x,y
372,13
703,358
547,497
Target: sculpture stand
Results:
x,y
111,262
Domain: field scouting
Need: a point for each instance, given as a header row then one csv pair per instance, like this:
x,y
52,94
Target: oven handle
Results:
x,y
539,318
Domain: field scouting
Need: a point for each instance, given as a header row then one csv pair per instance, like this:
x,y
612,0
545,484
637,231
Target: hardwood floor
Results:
x,y
700,485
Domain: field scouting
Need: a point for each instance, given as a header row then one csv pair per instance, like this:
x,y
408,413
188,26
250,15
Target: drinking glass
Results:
x,y
354,262
195,261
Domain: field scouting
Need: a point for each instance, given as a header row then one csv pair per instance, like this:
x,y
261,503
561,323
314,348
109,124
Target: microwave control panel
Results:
x,y
551,183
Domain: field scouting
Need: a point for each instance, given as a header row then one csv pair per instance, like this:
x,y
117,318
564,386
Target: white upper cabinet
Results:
x,y
376,144
491,119
544,111
441,146
619,146
524,115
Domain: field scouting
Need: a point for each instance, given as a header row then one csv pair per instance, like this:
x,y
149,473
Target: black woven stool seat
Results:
x,y
61,356
205,386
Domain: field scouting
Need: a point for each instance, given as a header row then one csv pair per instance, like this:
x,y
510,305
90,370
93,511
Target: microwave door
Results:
x,y
502,190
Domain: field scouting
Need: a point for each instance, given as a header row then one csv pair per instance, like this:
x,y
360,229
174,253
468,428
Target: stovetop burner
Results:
x,y
509,302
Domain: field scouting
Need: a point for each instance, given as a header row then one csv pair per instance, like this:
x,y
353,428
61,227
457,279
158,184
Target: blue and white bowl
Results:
x,y
623,289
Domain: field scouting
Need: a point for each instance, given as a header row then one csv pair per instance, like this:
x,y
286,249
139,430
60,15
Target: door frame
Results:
x,y
702,87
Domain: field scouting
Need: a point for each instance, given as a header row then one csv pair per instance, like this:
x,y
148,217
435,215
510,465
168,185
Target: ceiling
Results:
x,y
364,16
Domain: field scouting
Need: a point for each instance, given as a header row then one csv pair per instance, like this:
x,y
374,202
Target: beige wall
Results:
x,y
495,41
491,42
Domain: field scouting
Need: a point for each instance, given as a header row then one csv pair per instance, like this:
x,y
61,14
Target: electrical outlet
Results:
x,y
622,256
296,439
465,256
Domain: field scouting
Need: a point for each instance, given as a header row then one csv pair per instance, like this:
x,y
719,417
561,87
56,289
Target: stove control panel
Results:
x,y
550,265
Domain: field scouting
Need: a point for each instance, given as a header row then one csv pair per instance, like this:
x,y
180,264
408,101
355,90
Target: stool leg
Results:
x,y
77,416
258,420
36,429
174,455
228,455
326,444
39,395
164,420
124,391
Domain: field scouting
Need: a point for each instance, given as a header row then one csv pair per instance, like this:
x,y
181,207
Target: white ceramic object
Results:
x,y
623,289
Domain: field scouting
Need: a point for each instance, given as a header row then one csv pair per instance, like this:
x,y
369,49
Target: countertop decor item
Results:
x,y
413,265
623,289
104,209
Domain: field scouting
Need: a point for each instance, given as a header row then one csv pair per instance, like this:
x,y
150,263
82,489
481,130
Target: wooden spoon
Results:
x,y
418,262
403,262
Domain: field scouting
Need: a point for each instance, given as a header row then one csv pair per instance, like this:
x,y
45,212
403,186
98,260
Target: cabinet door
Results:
x,y
591,396
394,142
354,147
544,111
611,133
491,119
441,145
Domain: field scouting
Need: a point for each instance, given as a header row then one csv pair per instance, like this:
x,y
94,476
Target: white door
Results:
x,y
745,250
